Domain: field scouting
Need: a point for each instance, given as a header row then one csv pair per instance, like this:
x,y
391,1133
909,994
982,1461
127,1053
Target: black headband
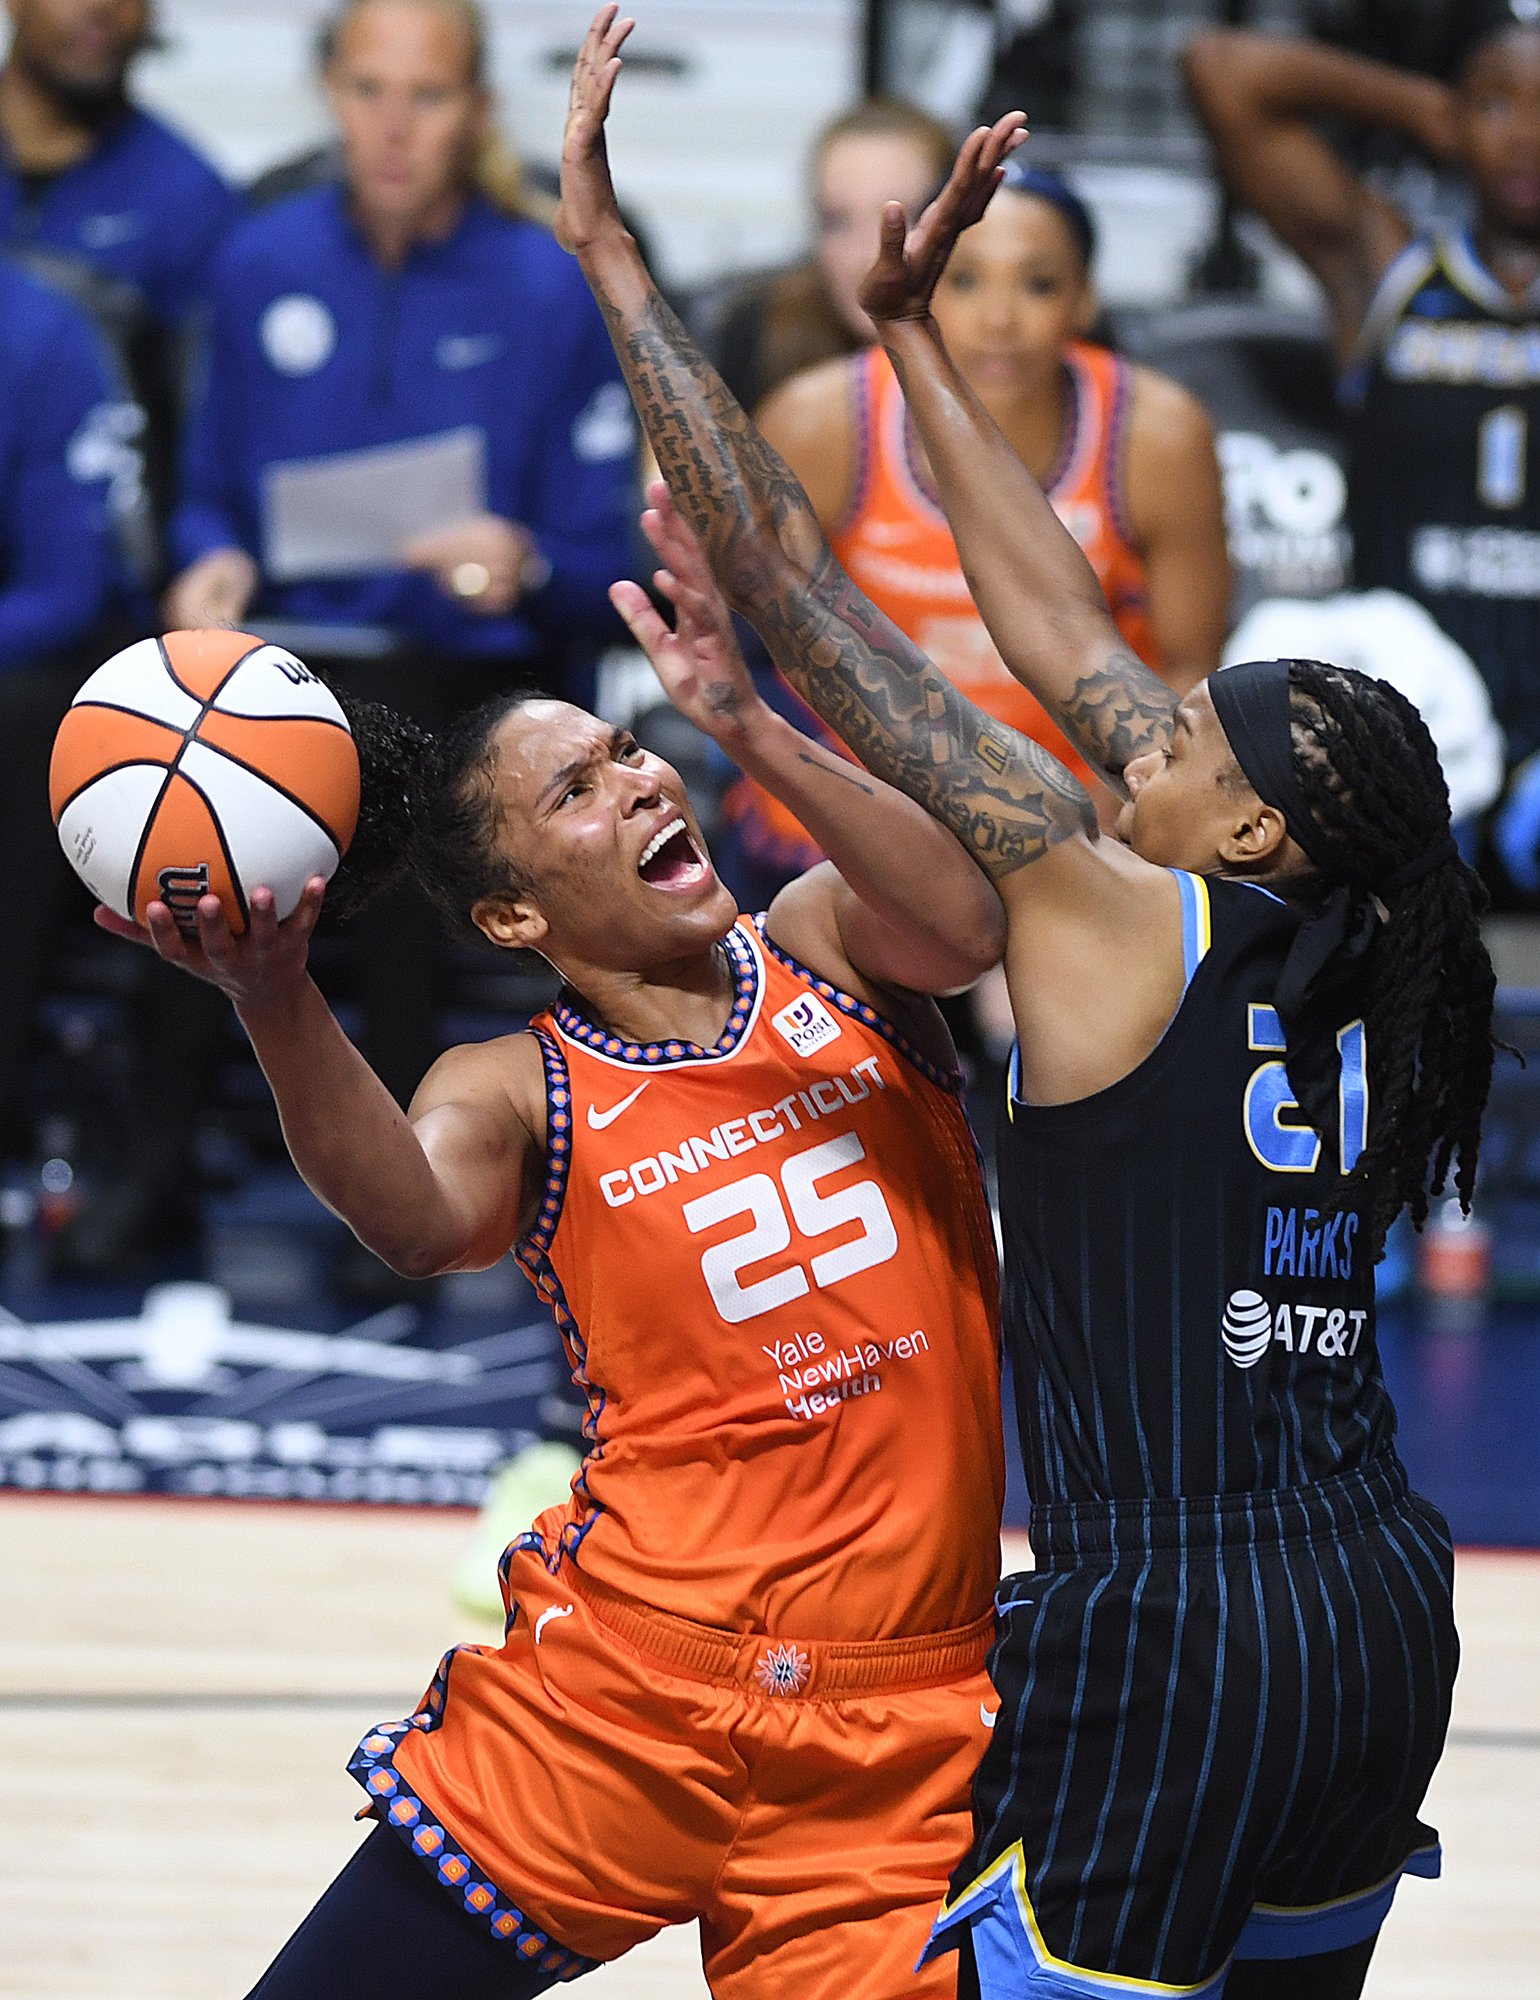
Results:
x,y
1252,703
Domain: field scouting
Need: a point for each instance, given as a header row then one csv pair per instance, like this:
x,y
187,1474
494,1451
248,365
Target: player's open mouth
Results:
x,y
671,860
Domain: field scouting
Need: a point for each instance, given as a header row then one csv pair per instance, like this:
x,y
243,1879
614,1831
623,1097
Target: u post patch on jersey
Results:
x,y
807,1025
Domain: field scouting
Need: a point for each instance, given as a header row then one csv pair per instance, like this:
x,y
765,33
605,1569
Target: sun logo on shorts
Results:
x,y
783,1670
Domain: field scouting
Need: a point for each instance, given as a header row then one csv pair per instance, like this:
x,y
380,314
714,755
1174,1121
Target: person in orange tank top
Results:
x,y
743,1679
1125,455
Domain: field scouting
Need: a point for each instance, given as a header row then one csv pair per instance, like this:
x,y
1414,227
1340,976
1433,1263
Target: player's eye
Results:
x,y
630,750
574,791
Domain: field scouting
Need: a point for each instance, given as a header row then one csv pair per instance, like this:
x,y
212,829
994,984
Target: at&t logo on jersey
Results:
x,y
807,1025
1252,1324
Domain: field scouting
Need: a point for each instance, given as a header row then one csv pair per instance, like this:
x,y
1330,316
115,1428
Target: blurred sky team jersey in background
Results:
x,y
1444,503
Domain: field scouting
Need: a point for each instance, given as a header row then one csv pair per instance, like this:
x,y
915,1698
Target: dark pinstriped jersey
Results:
x,y
1186,1314
1443,482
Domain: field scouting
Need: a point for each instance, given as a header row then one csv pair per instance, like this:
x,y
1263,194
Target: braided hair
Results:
x,y
1371,781
429,811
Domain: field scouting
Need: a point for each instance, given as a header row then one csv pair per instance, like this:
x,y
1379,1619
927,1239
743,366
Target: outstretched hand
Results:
x,y
588,202
910,261
265,963
699,664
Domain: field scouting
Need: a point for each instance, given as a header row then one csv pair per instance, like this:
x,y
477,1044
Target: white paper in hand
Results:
x,y
352,513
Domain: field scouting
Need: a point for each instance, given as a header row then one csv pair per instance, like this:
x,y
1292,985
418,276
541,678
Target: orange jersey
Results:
x,y
896,544
773,1266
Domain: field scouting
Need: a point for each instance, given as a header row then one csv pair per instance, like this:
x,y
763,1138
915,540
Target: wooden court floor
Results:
x,y
180,1683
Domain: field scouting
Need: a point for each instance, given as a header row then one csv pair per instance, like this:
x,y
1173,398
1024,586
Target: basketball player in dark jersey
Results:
x,y
1438,340
1251,1031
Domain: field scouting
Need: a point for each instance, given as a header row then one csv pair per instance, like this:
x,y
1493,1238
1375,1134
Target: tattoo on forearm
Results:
x,y
1004,797
836,768
1007,800
723,698
1120,711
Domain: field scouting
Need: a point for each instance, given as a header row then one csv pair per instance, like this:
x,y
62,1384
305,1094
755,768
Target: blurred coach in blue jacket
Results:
x,y
414,307
408,305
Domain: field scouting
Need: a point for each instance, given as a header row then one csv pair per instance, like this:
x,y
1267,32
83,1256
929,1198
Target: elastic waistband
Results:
x,y
811,1669
1068,1532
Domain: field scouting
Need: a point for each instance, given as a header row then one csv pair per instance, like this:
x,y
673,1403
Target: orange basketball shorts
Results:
x,y
611,1769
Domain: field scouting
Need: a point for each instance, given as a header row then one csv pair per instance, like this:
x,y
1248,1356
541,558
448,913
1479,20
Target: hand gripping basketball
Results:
x,y
203,764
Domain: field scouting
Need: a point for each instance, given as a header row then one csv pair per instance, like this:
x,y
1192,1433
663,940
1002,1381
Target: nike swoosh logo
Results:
x,y
555,1611
600,1119
988,1716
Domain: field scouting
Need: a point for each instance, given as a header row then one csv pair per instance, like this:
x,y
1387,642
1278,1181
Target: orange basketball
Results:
x,y
203,763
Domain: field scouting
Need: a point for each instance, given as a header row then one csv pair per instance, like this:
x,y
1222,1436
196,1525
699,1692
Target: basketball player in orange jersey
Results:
x,y
743,1677
1125,455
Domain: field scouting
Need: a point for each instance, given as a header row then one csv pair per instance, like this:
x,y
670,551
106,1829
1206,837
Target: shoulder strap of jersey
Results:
x,y
949,1080
865,420
1404,277
1113,380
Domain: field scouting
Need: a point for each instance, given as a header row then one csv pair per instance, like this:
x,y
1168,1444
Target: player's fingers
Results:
x,y
215,938
617,35
306,914
166,935
700,604
679,545
642,619
655,526
262,918
598,28
892,233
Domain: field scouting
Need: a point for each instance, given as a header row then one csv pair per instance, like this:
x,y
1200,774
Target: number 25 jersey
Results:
x,y
772,1264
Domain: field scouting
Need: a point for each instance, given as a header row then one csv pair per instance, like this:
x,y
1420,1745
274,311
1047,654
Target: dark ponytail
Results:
x,y
429,812
1424,986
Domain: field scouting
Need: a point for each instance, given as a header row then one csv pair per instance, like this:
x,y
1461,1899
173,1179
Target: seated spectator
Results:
x,y
1438,340
405,307
106,200
1126,456
57,404
767,327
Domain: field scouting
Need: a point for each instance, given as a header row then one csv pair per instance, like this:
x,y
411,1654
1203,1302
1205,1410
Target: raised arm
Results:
x,y
1094,944
902,905
1006,799
1261,96
439,1189
1036,592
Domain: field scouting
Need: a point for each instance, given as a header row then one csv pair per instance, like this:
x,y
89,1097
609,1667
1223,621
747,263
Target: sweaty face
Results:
x,y
80,48
1185,800
606,833
1013,296
1498,129
855,177
411,113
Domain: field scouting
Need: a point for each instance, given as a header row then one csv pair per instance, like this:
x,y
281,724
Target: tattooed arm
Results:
x,y
1005,798
1094,936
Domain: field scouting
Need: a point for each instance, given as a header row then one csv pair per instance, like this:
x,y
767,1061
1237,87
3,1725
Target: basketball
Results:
x,y
203,763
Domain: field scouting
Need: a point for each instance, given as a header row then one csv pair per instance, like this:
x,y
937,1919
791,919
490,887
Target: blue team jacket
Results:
x,y
142,207
60,451
313,349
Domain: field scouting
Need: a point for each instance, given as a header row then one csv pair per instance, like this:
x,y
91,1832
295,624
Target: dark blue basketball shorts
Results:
x,y
1217,1723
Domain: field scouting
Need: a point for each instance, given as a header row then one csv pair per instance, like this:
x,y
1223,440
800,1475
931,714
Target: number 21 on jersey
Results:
x,y
772,1207
1296,1149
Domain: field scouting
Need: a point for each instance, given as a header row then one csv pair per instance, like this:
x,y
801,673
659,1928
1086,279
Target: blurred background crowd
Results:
x,y
286,343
